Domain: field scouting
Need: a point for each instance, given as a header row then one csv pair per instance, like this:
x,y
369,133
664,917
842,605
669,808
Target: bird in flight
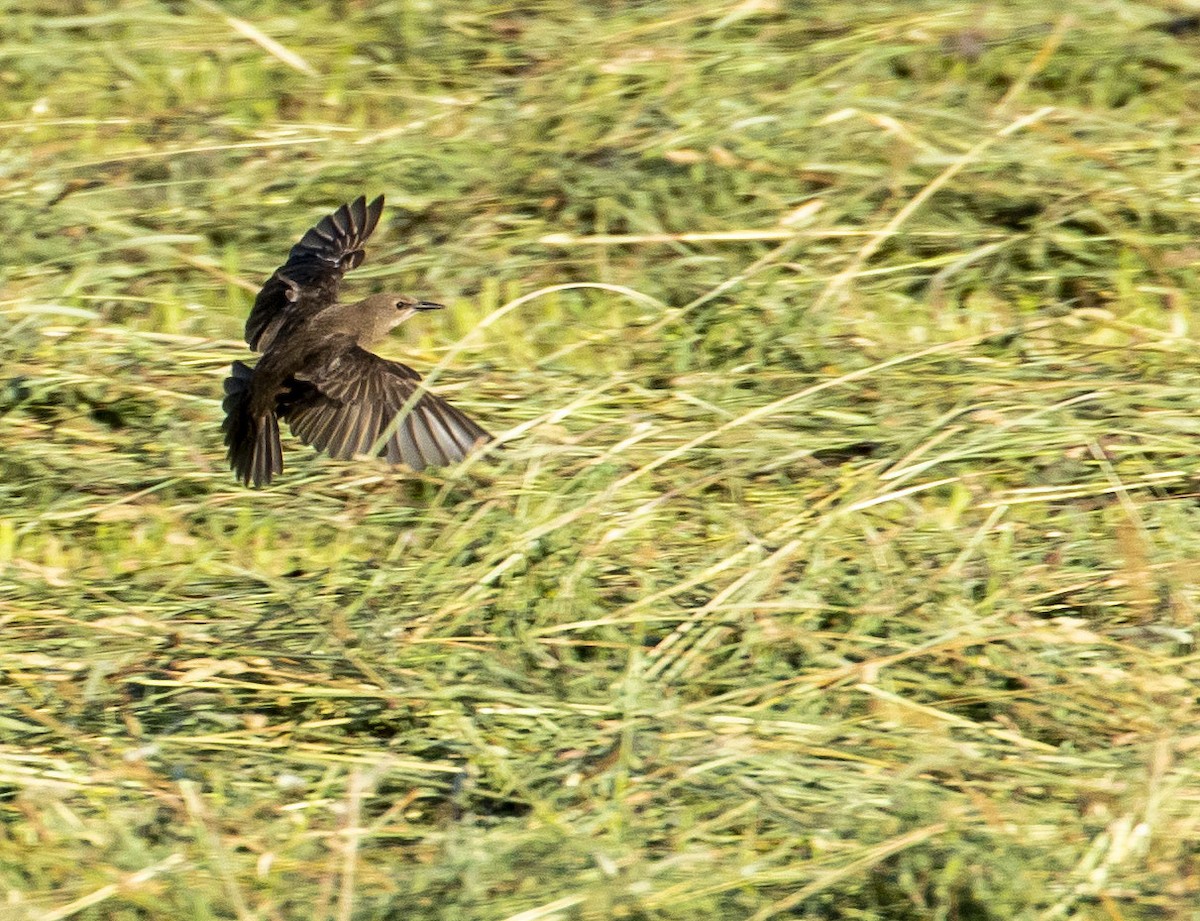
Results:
x,y
315,370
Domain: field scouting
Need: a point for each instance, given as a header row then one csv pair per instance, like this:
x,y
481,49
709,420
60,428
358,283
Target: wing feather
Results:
x,y
343,406
345,428
308,282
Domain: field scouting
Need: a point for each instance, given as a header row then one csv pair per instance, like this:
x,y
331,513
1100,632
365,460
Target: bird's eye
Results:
x,y
400,305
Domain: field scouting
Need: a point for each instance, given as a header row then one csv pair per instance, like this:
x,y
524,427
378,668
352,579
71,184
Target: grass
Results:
x,y
840,562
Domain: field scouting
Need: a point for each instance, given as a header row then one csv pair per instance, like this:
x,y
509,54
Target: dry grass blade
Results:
x,y
268,44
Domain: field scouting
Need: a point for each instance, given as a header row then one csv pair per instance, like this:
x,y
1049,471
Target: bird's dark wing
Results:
x,y
308,282
345,404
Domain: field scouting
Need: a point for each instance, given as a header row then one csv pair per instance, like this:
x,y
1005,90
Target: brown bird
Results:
x,y
316,372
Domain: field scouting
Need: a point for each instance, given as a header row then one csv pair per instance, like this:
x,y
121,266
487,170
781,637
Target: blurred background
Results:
x,y
841,560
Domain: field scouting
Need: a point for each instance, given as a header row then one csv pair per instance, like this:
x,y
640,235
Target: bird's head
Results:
x,y
384,312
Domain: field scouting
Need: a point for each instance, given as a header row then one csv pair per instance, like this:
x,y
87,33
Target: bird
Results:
x,y
316,372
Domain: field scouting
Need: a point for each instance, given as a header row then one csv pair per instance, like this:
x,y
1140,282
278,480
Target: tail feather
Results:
x,y
255,453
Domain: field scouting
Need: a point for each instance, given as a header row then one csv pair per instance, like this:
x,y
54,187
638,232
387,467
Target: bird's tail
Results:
x,y
255,453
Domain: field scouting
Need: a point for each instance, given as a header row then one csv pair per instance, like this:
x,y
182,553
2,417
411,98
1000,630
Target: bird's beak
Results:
x,y
427,305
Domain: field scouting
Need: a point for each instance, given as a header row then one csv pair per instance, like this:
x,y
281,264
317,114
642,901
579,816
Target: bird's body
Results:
x,y
317,373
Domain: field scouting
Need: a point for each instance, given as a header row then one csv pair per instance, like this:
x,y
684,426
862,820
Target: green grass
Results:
x,y
841,560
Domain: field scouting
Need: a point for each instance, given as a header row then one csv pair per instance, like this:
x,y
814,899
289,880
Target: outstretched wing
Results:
x,y
308,282
344,406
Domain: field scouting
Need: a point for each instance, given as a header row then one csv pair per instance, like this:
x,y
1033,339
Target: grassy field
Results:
x,y
841,562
